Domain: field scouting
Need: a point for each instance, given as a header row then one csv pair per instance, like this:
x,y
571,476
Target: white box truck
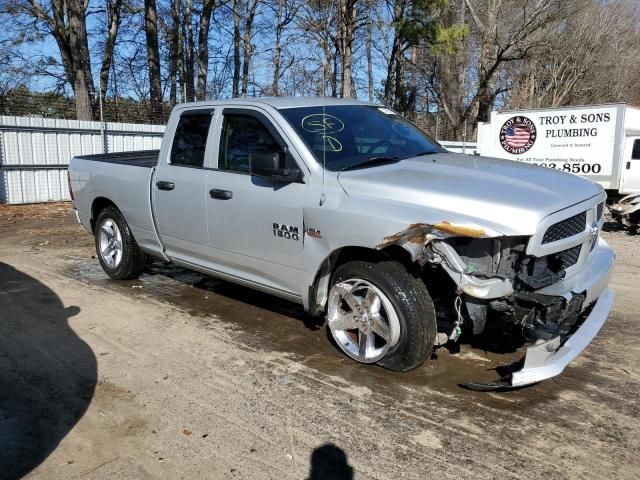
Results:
x,y
598,142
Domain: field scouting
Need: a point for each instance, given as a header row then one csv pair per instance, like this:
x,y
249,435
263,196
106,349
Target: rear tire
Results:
x,y
119,254
384,301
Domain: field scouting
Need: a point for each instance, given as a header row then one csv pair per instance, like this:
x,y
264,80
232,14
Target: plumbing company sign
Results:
x,y
575,140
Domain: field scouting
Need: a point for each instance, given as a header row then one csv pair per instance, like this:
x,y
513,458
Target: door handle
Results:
x,y
162,185
628,165
220,194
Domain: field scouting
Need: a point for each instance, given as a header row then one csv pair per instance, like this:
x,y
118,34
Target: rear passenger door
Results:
x,y
255,223
179,189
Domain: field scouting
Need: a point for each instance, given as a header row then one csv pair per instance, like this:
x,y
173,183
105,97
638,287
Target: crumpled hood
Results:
x,y
503,195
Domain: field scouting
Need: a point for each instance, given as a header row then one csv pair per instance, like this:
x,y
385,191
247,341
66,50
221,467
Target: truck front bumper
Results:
x,y
549,358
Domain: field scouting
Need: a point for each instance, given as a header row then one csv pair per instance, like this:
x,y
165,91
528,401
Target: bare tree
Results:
x,y
174,38
65,21
249,17
368,49
203,48
506,38
596,44
114,8
317,24
153,57
284,13
347,24
189,49
236,6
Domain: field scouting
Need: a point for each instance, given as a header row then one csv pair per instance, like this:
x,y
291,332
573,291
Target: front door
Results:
x,y
630,177
255,223
179,189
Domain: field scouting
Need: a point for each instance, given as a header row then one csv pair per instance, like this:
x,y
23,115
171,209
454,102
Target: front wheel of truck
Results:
x,y
118,252
377,312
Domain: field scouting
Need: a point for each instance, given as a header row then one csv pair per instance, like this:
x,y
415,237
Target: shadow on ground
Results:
x,y
47,373
329,462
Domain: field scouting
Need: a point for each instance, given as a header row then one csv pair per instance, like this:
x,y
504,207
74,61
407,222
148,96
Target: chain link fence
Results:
x,y
21,102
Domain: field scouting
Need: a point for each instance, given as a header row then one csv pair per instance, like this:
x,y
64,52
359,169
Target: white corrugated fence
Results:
x,y
35,152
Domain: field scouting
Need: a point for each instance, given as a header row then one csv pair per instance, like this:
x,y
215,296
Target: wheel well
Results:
x,y
319,290
98,205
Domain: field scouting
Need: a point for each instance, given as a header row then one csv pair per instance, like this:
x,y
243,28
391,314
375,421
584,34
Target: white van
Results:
x,y
598,142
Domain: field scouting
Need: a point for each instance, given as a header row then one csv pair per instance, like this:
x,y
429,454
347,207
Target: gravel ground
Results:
x,y
176,375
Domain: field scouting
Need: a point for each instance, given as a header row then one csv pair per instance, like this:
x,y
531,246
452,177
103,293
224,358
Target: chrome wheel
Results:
x,y
362,320
110,243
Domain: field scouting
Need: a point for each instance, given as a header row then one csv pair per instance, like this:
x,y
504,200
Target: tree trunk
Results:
x,y
67,24
248,49
235,89
79,50
189,59
346,34
203,48
153,59
368,46
59,30
174,51
461,64
334,74
277,51
394,67
487,62
114,8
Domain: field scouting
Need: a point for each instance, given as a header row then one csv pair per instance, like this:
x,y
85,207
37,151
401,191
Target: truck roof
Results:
x,y
281,102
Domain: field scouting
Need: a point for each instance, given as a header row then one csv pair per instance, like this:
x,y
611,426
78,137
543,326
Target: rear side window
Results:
x,y
241,136
635,154
190,140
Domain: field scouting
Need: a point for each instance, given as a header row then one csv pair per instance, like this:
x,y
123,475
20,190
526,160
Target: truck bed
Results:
x,y
141,158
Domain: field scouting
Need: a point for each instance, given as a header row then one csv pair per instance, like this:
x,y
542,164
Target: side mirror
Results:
x,y
273,165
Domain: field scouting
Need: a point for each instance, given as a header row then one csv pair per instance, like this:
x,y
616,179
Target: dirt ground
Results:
x,y
177,375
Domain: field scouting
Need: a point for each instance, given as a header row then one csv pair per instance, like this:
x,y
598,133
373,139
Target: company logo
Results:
x,y
517,135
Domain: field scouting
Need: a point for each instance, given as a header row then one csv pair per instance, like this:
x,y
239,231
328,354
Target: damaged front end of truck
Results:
x,y
550,289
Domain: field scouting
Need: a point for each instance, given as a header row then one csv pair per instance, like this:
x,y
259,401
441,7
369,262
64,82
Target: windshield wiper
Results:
x,y
428,152
372,162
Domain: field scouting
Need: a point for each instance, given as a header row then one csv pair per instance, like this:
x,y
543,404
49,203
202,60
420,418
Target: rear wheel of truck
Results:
x,y
117,250
378,312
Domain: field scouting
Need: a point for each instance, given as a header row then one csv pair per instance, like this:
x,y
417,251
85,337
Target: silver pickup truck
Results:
x,y
350,210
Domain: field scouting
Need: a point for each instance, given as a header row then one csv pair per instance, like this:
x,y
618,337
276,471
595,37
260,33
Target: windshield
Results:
x,y
343,136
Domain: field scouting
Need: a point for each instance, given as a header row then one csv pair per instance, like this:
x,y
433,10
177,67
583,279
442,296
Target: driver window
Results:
x,y
241,136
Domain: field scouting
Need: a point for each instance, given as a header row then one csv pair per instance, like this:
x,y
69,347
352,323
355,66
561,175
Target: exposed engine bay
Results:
x,y
536,315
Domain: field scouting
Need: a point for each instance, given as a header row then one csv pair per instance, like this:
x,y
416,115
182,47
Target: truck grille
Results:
x,y
569,257
565,228
600,210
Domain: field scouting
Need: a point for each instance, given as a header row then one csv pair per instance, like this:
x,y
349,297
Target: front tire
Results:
x,y
377,312
119,254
